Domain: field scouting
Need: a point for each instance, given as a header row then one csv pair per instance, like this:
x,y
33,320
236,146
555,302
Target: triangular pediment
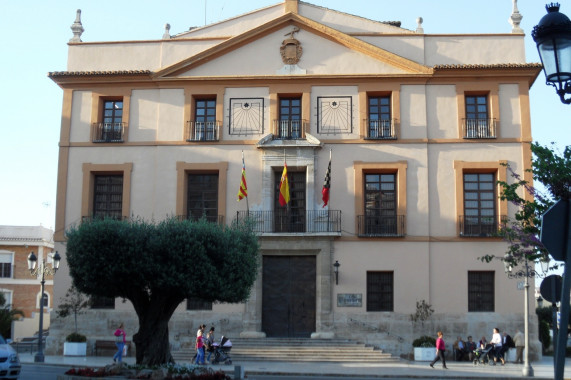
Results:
x,y
322,45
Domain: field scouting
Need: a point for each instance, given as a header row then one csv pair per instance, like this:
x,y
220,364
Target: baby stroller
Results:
x,y
221,351
482,355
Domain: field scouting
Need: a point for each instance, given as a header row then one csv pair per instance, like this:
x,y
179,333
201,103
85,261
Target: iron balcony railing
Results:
x,y
380,225
288,221
218,219
479,128
480,226
381,129
290,129
108,132
203,131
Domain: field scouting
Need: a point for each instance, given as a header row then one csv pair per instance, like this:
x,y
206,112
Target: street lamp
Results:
x,y
526,273
553,38
42,270
336,270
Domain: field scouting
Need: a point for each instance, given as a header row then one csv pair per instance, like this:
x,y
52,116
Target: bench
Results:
x,y
108,345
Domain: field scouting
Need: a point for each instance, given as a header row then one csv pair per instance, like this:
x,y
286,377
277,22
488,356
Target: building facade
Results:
x,y
21,289
417,128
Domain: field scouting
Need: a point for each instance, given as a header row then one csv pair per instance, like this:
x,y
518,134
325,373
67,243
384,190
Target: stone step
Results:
x,y
298,349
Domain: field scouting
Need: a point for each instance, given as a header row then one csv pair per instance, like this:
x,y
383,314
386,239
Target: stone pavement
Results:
x,y
457,370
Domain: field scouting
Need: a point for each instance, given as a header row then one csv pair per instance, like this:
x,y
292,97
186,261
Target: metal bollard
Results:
x,y
238,372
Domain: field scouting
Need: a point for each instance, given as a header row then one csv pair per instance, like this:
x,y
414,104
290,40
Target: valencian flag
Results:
x,y
284,187
243,190
326,184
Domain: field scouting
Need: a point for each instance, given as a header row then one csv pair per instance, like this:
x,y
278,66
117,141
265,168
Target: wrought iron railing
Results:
x,y
288,221
203,131
479,128
380,225
480,226
290,129
218,219
108,132
381,129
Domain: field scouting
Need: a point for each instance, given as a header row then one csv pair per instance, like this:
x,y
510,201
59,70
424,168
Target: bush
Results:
x,y
544,335
76,338
424,341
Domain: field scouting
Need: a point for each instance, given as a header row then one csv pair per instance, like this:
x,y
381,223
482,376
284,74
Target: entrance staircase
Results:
x,y
298,350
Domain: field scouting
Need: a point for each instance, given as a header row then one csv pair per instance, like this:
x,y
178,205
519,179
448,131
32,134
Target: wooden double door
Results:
x,y
288,296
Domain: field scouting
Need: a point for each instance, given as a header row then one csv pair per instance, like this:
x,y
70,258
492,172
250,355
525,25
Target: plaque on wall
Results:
x,y
350,300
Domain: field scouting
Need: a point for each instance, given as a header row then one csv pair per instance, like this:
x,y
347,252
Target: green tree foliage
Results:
x,y
74,303
157,266
7,316
552,170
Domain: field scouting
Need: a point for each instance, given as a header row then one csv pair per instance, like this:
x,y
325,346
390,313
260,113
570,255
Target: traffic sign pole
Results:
x,y
562,336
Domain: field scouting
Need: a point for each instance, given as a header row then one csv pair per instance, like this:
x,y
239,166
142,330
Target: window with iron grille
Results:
x,y
205,120
380,291
195,303
100,302
112,121
481,291
479,204
379,117
202,197
380,203
108,196
477,119
290,118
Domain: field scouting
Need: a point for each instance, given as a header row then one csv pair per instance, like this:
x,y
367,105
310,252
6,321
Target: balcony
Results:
x,y
218,219
293,221
480,226
108,132
290,129
203,131
479,128
381,129
380,225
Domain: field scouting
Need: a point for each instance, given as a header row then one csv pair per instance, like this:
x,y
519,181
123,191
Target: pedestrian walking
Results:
x,y
440,351
120,341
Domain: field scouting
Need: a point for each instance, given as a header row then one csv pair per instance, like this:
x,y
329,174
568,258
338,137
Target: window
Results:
x,y
290,124
480,217
111,127
380,125
108,196
478,123
118,205
481,291
202,197
205,127
380,198
195,303
6,265
380,291
101,302
290,218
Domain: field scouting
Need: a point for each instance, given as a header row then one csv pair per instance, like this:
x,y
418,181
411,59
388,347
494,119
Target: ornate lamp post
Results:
x,y
41,271
526,273
553,38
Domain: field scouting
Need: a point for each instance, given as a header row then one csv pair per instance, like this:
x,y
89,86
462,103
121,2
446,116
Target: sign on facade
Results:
x,y
349,300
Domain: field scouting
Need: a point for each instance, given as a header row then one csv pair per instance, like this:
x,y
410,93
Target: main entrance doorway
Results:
x,y
288,296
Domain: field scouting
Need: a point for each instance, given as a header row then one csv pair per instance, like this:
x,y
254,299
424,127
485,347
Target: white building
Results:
x,y
419,128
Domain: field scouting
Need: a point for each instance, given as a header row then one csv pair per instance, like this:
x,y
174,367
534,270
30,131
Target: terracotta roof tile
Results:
x,y
490,66
97,73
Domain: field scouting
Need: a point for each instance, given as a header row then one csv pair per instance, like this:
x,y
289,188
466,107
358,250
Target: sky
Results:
x,y
34,36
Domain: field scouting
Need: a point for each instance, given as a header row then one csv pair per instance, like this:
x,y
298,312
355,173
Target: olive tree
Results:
x,y
157,266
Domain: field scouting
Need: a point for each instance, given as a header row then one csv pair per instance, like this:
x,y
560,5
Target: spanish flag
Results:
x,y
243,190
284,188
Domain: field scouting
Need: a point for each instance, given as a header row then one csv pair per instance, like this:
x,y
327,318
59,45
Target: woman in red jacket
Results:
x,y
440,351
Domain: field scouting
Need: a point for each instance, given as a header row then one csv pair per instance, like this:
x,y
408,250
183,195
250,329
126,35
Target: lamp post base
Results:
x,y
527,370
39,358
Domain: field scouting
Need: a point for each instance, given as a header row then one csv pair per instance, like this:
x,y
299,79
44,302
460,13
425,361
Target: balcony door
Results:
x,y
290,218
290,118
